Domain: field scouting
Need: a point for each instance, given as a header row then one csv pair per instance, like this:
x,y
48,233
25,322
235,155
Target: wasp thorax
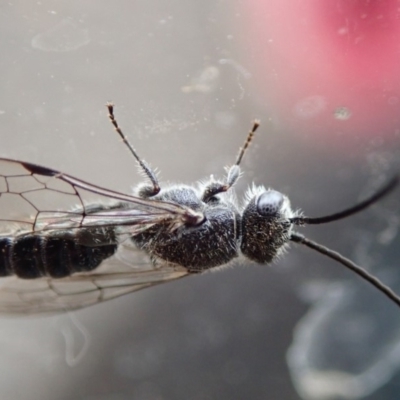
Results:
x,y
266,225
200,246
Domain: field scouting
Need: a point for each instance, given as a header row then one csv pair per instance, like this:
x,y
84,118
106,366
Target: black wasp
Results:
x,y
66,244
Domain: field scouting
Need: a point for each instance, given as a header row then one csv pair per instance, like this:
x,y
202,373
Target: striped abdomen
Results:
x,y
33,256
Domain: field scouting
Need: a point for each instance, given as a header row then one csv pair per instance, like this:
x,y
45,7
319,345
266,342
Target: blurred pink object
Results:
x,y
328,68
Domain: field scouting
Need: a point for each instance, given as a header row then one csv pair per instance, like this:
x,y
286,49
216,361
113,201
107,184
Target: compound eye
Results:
x,y
269,203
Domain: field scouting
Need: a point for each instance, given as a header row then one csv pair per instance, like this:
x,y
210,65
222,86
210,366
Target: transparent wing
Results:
x,y
40,200
37,199
127,271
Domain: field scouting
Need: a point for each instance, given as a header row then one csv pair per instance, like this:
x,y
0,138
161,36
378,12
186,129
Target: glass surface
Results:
x,y
188,78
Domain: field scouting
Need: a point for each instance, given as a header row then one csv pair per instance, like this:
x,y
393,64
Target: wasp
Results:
x,y
66,243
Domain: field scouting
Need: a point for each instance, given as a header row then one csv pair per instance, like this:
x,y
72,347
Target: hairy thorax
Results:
x,y
211,243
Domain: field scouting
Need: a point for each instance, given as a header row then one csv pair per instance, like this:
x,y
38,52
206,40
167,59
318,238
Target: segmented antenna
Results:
x,y
234,171
298,238
143,165
247,142
391,185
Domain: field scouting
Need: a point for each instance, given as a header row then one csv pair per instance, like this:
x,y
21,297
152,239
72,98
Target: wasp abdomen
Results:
x,y
35,256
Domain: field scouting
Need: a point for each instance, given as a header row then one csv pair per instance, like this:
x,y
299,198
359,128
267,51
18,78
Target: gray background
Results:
x,y
184,92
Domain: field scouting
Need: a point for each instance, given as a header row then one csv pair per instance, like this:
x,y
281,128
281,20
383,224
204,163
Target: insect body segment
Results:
x,y
266,226
37,256
197,247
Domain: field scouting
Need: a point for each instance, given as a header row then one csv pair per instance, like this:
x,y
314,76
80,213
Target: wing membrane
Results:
x,y
35,199
38,200
127,271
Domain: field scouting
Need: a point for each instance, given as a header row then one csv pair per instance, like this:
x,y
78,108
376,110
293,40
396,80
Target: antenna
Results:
x,y
143,165
391,185
298,238
234,171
